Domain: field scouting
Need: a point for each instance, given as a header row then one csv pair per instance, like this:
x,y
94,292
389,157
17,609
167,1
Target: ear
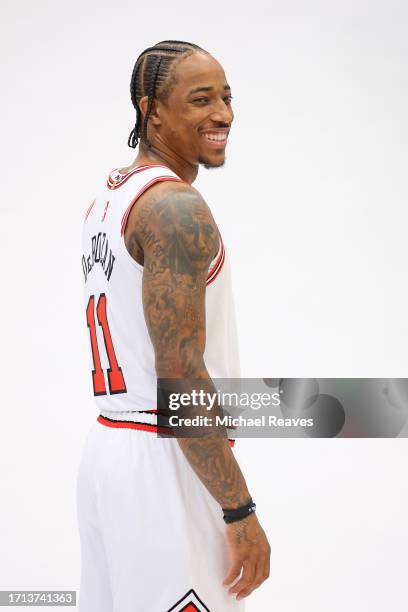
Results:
x,y
154,116
143,103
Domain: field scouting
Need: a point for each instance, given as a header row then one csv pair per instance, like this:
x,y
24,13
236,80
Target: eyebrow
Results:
x,y
197,89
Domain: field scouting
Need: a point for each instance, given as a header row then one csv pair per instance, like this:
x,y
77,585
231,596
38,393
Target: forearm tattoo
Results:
x,y
215,465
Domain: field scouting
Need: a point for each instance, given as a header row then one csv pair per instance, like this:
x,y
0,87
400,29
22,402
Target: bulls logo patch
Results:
x,y
190,602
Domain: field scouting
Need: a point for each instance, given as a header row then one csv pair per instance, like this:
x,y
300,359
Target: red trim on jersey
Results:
x,y
157,179
218,264
89,210
136,170
131,425
141,426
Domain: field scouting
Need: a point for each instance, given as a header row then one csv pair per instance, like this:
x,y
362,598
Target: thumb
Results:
x,y
233,573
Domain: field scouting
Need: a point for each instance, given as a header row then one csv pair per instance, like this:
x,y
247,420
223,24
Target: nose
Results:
x,y
222,112
199,238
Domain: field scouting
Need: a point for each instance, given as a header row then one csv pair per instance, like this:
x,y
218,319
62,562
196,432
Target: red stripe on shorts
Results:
x,y
166,431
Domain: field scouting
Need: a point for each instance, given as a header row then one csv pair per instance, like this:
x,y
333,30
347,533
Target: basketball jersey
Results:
x,y
122,354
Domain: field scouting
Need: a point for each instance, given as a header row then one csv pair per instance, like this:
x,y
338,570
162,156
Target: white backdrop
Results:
x,y
312,205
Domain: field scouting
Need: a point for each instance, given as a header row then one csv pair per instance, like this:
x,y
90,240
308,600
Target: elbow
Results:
x,y
188,367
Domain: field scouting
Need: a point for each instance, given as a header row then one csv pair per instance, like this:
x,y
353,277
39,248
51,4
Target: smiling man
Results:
x,y
166,523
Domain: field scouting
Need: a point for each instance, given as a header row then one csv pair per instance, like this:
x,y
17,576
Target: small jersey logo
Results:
x,y
104,212
189,603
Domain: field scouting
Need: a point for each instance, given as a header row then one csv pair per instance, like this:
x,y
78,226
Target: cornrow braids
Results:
x,y
153,76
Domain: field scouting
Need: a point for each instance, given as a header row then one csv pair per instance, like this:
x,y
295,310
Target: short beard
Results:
x,y
210,165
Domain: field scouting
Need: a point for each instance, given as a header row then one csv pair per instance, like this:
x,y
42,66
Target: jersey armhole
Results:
x,y
217,263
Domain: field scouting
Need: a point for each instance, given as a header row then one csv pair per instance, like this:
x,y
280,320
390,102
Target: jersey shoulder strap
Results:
x,y
131,185
139,175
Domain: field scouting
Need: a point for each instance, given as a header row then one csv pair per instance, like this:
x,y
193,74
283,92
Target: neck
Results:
x,y
186,171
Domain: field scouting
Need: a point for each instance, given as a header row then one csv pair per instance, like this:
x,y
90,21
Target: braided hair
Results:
x,y
154,76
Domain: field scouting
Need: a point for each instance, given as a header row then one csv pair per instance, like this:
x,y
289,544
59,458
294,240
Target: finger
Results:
x,y
264,574
233,573
246,579
259,574
267,565
256,582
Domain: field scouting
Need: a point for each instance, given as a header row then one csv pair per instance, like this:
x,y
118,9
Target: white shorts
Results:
x,y
152,537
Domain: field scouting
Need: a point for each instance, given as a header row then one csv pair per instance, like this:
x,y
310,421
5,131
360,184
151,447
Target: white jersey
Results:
x,y
124,376
127,477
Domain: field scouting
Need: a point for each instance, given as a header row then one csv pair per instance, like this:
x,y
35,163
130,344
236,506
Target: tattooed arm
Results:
x,y
175,234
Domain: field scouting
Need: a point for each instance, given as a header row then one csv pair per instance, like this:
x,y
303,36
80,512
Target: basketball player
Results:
x,y
166,523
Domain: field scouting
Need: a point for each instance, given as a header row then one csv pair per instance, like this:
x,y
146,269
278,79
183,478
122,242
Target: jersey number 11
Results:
x,y
115,376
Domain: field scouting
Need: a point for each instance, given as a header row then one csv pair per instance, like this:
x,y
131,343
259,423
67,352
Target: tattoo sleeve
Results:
x,y
179,238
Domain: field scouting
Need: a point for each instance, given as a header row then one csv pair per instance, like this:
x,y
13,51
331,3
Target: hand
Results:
x,y
249,551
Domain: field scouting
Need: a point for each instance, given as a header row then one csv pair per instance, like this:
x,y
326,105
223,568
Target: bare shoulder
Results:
x,y
172,216
173,198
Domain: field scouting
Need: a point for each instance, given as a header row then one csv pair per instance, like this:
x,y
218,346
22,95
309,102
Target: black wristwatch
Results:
x,y
236,514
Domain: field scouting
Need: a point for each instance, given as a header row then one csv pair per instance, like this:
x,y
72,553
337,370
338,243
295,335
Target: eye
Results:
x,y
189,227
228,99
201,100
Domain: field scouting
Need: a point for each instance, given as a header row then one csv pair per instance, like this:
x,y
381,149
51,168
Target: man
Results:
x,y
159,306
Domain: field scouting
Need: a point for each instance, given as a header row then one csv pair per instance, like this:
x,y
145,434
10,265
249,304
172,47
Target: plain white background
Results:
x,y
312,205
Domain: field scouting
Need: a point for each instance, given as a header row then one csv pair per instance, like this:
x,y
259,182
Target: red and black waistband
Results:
x,y
139,420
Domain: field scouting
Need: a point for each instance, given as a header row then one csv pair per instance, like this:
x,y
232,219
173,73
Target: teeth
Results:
x,y
216,137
